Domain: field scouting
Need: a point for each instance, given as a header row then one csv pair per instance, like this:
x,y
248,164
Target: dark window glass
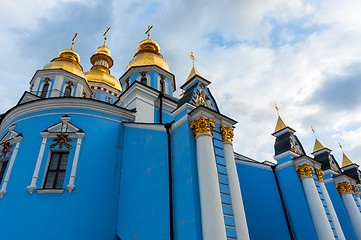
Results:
x,y
45,90
161,86
143,80
56,170
2,170
67,91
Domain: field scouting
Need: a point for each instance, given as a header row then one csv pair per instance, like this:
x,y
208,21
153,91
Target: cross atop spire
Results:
x,y
73,40
106,35
148,31
192,57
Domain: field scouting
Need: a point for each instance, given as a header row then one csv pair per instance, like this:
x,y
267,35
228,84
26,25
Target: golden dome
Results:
x,y
100,72
103,77
148,54
68,60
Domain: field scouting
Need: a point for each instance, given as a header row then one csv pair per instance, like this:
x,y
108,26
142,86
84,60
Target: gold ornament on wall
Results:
x,y
319,174
227,134
202,125
343,187
304,170
6,150
356,190
61,140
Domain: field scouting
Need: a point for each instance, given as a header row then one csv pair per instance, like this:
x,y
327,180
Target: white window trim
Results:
x,y
12,158
140,77
165,84
42,87
49,134
63,90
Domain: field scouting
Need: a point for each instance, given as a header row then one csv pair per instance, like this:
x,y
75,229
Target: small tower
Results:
x,y
105,87
350,168
196,91
286,141
149,68
62,77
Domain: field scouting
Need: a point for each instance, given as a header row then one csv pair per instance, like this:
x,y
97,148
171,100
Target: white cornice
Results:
x,y
216,117
182,108
65,103
137,90
285,154
155,127
254,164
306,159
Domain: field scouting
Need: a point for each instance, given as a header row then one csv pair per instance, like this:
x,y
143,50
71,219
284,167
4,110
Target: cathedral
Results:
x,y
84,155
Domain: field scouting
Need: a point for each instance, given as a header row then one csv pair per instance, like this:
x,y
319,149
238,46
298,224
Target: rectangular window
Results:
x,y
56,170
3,169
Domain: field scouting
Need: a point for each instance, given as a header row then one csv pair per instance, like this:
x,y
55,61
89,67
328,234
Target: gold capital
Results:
x,y
343,187
319,174
202,125
356,190
227,134
304,170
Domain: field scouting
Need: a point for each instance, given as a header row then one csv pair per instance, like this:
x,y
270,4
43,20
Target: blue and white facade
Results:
x,y
84,156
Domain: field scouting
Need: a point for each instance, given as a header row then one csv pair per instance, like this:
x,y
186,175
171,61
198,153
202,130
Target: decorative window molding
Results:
x,y
8,155
141,78
45,90
61,133
165,87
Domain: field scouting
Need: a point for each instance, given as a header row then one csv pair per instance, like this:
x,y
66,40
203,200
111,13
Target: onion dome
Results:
x,y
100,72
148,54
68,60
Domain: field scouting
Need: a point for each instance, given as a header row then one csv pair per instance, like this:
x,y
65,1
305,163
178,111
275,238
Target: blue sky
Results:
x,y
303,55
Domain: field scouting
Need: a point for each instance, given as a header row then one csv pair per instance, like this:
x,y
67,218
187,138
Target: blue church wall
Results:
x,y
187,212
340,211
94,198
144,191
166,115
295,203
262,203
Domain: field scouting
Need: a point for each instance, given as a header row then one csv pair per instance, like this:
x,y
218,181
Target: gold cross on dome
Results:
x,y
148,31
73,40
105,35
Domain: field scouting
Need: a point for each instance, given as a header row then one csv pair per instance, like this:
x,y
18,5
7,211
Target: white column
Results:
x,y
79,90
32,187
236,195
8,172
332,211
353,212
318,214
71,185
213,226
58,82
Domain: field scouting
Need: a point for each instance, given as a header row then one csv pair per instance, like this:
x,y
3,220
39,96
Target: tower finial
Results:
x,y
73,40
148,31
340,146
276,107
192,57
314,133
106,35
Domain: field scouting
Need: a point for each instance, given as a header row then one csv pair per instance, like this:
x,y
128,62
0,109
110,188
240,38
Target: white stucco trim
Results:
x,y
32,187
154,127
213,225
71,185
254,164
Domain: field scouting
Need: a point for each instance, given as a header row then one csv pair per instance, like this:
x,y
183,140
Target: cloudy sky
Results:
x,y
303,55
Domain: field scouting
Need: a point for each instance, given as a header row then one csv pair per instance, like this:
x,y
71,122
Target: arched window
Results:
x,y
161,86
45,90
67,91
143,80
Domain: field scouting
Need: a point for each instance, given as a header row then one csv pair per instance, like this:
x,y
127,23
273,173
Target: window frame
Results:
x,y
42,95
2,161
45,176
70,91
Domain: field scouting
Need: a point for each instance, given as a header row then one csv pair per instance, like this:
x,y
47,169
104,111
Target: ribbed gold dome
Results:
x,y
100,72
148,54
68,60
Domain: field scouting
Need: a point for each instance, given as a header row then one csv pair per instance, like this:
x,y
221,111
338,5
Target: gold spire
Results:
x,y
148,54
73,41
194,71
68,60
102,62
105,36
148,31
318,145
345,160
280,123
